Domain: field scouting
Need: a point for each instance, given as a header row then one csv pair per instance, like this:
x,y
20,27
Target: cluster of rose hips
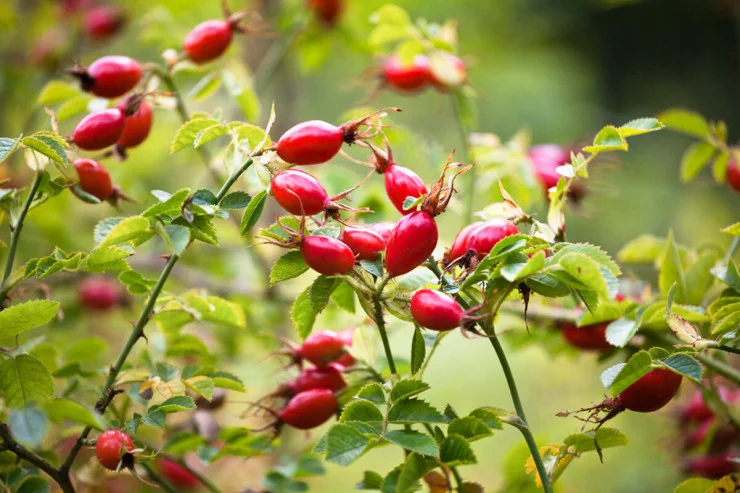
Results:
x,y
310,399
711,443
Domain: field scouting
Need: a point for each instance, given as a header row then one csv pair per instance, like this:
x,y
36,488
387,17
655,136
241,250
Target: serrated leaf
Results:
x,y
604,437
620,331
187,133
414,441
584,271
25,380
226,380
205,87
56,92
455,450
671,270
171,207
208,134
175,404
619,377
372,392
684,365
7,147
201,385
728,273
640,126
23,317
696,157
470,428
289,266
28,426
344,297
134,229
415,467
695,485
685,121
407,388
235,201
344,444
370,481
411,411
418,351
47,146
490,416
73,107
302,314
60,409
252,213
608,139
363,411
320,291
34,484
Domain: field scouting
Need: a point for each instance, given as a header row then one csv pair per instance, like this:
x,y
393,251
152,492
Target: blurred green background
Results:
x,y
561,69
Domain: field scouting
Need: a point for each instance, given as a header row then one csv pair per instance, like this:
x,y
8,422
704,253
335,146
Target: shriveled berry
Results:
x,y
365,243
327,255
460,244
103,21
589,337
485,237
98,293
407,77
111,76
401,182
412,241
651,392
99,130
436,310
136,127
384,229
208,40
177,474
309,409
94,178
311,142
321,348
111,446
328,377
299,192
733,174
326,11
347,359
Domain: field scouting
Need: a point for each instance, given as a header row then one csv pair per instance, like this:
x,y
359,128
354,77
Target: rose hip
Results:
x,y
589,337
208,40
309,409
321,348
94,178
110,76
384,229
328,377
103,21
436,310
733,174
407,77
411,243
651,392
136,127
299,192
99,130
326,11
111,447
311,142
460,244
326,255
486,236
98,293
365,243
347,360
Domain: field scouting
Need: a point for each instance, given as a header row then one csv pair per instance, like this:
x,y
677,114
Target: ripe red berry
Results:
x,y
365,243
384,229
136,127
311,142
103,21
412,241
326,255
720,436
460,244
401,182
484,238
712,466
326,11
111,76
99,130
177,474
588,338
321,348
328,377
299,192
697,411
651,392
546,158
94,178
309,409
733,174
98,293
208,40
407,77
111,446
436,310
347,359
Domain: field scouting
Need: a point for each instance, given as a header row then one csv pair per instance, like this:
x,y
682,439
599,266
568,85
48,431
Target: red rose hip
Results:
x,y
111,76
384,229
321,348
347,360
299,192
412,242
326,11
401,182
651,392
460,244
326,255
177,474
103,21
365,243
588,338
309,409
110,448
208,40
99,130
136,127
328,377
94,178
487,235
733,174
98,293
436,310
407,77
311,142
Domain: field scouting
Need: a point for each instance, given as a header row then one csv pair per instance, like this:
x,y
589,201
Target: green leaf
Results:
x,y
455,451
48,144
619,377
370,481
515,268
585,271
60,409
205,87
302,314
252,213
696,157
28,426
418,351
644,249
671,270
25,380
415,467
208,134
289,266
344,444
608,139
188,132
695,485
34,484
591,251
733,229
23,317
170,207
183,442
73,107
372,392
175,404
684,365
470,428
620,331
489,416
412,411
56,92
320,291
685,121
235,200
361,410
179,238
136,283
134,229
226,380
604,437
344,297
640,126
7,147
728,274
407,388
413,441
244,96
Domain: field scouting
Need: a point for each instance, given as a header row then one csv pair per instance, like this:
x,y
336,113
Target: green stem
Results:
x,y
510,380
728,349
470,202
15,233
458,479
725,370
381,323
154,476
232,179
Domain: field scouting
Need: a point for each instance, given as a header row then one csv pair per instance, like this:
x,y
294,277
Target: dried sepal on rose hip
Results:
x,y
316,141
109,76
415,236
475,241
440,312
